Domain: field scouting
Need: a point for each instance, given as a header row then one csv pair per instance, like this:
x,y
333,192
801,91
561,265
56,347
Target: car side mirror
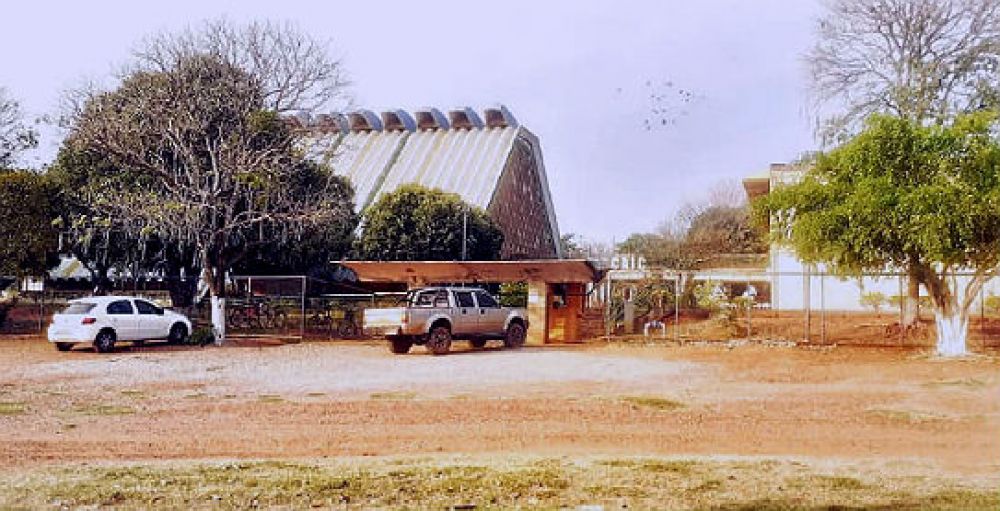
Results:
x,y
159,312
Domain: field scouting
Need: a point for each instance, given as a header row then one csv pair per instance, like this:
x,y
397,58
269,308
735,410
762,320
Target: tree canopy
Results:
x,y
415,223
903,195
29,238
205,166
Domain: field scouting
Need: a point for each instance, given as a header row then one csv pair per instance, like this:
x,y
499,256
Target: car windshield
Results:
x,y
79,308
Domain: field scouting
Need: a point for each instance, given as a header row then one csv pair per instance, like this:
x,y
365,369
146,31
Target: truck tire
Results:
x,y
439,340
400,345
516,334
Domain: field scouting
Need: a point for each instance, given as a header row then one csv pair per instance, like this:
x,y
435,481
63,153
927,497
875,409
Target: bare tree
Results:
x,y
923,60
204,164
15,135
295,70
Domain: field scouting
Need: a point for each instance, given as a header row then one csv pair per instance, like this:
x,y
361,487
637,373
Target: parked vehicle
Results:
x,y
435,316
103,321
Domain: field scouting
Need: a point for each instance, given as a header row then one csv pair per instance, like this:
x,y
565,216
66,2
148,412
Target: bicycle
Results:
x,y
256,315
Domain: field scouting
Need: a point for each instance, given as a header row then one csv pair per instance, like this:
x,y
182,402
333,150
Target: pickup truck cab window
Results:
x,y
486,301
464,299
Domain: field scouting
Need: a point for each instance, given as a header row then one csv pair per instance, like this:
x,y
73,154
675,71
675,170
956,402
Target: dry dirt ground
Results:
x,y
894,412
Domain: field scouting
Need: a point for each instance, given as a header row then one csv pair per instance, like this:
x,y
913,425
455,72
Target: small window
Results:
x,y
79,308
464,299
441,299
147,308
120,307
425,299
486,301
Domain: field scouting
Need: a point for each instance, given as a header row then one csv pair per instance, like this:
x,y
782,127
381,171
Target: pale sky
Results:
x,y
573,72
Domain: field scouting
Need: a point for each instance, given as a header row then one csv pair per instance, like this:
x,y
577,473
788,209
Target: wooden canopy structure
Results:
x,y
553,271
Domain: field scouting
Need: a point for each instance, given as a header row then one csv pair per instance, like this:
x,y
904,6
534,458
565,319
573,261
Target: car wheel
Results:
x,y
516,334
478,343
105,341
439,340
178,334
400,345
64,346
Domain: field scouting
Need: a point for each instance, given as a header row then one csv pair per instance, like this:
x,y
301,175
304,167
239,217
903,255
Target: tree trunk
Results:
x,y
217,299
218,318
952,332
911,302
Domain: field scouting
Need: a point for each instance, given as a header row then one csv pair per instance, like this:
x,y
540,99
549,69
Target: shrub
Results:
x,y
992,304
202,336
873,300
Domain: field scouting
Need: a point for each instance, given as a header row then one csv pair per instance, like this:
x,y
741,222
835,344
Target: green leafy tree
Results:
x,y
308,251
28,237
415,223
925,61
209,167
903,195
28,242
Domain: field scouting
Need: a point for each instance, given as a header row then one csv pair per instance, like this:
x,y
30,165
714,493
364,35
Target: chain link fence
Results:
x,y
802,307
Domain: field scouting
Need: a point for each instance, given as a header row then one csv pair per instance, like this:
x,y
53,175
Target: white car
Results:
x,y
104,320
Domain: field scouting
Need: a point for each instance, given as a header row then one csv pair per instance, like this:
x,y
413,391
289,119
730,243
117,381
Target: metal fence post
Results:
x,y
677,307
902,307
749,311
822,307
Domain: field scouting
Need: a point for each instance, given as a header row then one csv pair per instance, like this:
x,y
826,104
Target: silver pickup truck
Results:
x,y
434,316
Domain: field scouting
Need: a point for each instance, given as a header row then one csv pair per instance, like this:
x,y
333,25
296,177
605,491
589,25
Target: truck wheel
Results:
x,y
64,346
439,340
105,341
400,345
478,343
515,336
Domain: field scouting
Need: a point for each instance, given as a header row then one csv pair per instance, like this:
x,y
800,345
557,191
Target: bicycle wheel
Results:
x,y
280,319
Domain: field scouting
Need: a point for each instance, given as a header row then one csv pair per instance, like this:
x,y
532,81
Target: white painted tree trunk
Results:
x,y
952,333
219,319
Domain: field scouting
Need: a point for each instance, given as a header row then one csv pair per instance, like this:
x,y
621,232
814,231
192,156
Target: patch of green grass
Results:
x,y
104,409
134,394
316,394
270,398
972,383
392,396
657,403
499,484
196,395
656,466
907,416
12,407
828,482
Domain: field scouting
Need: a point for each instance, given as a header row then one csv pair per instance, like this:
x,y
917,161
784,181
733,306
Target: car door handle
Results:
x,y
482,311
464,311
